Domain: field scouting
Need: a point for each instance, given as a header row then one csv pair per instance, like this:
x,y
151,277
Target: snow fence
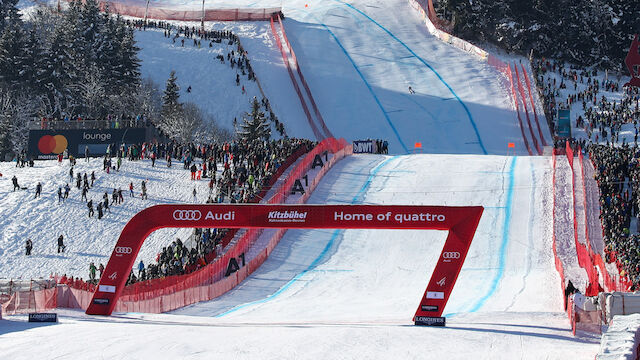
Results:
x,y
210,282
139,9
320,130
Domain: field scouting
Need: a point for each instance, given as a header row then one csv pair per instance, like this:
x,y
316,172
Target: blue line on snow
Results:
x,y
324,252
375,97
475,128
505,241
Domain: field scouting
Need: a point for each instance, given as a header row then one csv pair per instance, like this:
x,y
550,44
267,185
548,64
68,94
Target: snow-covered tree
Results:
x,y
171,98
254,124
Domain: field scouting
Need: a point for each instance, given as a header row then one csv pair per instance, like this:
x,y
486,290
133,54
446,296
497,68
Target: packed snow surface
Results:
x,y
328,293
355,291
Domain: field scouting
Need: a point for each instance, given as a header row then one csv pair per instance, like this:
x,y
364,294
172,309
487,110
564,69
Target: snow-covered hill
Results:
x,y
87,239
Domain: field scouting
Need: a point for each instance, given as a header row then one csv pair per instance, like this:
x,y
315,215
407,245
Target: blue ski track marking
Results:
x,y
503,246
532,197
326,249
466,109
375,97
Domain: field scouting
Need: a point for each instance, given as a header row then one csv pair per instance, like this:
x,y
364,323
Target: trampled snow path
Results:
x,y
43,219
354,292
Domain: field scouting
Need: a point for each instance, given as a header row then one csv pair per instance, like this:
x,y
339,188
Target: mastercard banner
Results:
x,y
48,144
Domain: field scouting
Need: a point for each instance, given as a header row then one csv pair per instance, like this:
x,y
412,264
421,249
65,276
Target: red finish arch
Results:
x,y
461,222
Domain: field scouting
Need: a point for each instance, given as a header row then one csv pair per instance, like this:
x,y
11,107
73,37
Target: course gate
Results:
x,y
461,222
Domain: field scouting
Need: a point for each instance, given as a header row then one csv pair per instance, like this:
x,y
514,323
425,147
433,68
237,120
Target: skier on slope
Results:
x,y
90,207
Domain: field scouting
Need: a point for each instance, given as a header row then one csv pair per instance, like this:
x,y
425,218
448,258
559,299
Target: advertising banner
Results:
x,y
47,144
563,129
461,222
363,147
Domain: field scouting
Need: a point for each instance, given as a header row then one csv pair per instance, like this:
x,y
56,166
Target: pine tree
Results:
x,y
130,77
171,99
9,13
255,125
11,55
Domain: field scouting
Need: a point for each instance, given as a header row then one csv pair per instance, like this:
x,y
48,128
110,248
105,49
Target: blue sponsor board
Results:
x,y
563,129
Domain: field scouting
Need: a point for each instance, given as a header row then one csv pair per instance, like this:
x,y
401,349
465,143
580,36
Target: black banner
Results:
x,y
363,147
430,320
47,144
43,317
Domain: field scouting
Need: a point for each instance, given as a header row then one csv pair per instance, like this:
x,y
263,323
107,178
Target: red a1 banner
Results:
x,y
461,222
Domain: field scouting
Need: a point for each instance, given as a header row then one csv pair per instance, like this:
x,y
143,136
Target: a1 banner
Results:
x,y
461,222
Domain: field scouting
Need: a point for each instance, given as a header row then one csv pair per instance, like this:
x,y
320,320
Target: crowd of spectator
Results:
x,y
237,172
564,87
618,177
601,107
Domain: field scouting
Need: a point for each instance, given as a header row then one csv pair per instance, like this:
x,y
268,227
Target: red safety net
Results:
x,y
533,105
287,64
558,261
611,282
138,8
173,292
302,80
526,110
515,102
584,260
30,301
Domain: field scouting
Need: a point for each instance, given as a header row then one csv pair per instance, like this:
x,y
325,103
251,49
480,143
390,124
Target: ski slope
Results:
x,y
353,293
359,59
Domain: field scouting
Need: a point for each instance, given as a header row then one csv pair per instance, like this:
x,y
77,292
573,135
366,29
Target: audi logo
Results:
x,y
187,215
451,255
123,250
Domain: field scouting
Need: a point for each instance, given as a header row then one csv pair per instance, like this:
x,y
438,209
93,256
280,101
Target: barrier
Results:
x,y
285,59
526,110
584,260
302,79
611,282
139,9
30,301
558,262
533,105
515,102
